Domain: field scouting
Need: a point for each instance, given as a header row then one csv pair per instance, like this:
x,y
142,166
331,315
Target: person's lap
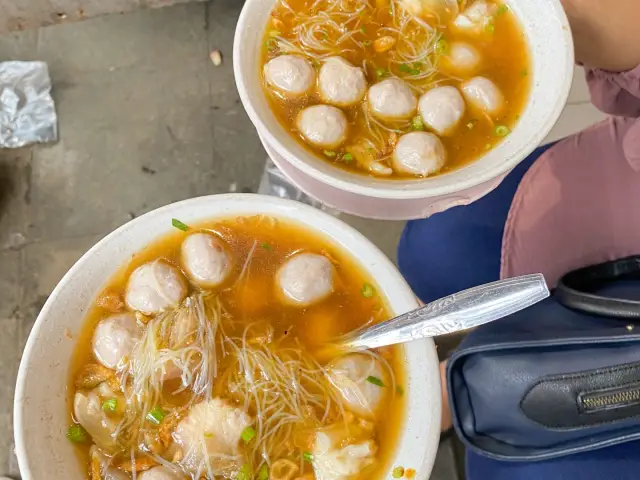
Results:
x,y
459,249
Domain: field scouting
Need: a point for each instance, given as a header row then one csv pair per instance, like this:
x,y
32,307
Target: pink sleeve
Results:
x,y
615,93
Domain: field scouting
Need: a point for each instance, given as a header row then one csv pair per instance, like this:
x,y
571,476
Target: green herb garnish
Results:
x,y
404,68
375,381
275,33
524,72
248,434
110,405
503,9
244,473
347,157
398,472
77,434
329,153
179,225
156,415
382,73
417,123
442,46
490,28
367,290
399,390
263,474
502,131
307,457
266,246
363,30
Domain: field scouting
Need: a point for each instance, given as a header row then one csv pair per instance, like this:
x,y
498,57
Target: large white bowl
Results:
x,y
40,408
549,37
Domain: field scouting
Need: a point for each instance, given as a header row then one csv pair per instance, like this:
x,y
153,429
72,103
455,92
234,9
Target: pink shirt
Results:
x,y
579,204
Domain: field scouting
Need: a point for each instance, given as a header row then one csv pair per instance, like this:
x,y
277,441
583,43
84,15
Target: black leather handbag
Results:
x,y
558,378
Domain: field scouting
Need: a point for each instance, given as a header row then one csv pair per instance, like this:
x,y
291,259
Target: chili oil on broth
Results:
x,y
354,302
502,47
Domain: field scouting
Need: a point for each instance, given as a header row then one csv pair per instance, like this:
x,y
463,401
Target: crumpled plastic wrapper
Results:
x,y
27,111
274,183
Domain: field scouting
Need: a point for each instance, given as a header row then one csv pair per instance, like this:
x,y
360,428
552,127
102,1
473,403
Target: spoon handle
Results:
x,y
460,311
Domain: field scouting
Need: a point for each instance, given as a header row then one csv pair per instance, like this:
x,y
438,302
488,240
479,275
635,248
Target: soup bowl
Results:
x,y
548,35
41,409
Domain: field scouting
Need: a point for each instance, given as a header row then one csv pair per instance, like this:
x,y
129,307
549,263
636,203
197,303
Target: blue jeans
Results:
x,y
459,249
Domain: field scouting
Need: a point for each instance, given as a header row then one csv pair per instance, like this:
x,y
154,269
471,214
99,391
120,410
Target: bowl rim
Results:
x,y
413,189
278,208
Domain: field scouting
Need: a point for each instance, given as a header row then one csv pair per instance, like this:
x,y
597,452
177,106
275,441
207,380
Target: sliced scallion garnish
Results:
x,y
307,457
110,405
503,9
77,434
442,46
266,246
329,153
502,131
375,381
367,290
248,434
382,73
263,474
244,473
156,415
417,123
347,157
399,390
179,225
398,472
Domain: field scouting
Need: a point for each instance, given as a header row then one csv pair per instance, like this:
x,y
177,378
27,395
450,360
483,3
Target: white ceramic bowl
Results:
x,y
40,408
549,37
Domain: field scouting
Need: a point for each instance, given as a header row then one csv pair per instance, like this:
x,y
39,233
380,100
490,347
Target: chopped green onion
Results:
x,y
274,33
77,434
248,434
399,390
363,30
347,157
502,131
263,474
307,457
381,73
490,28
110,405
266,246
244,473
271,44
524,72
417,123
398,472
503,9
367,290
329,153
208,435
418,65
179,225
375,381
442,46
155,415
407,69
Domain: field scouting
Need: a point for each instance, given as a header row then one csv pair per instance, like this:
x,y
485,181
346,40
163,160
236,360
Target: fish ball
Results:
x,y
340,83
351,376
205,259
114,338
476,18
462,58
323,126
289,74
87,410
333,460
483,94
418,153
392,99
442,109
305,278
155,286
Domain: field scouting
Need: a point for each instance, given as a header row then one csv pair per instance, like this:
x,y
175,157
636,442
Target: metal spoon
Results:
x,y
460,311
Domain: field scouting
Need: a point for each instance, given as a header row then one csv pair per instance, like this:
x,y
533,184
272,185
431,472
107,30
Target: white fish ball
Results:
x,y
483,94
323,126
441,109
340,83
114,338
160,473
305,278
289,74
155,286
418,153
462,58
392,99
476,18
205,259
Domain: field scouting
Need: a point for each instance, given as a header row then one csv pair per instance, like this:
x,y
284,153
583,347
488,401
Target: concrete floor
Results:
x,y
145,120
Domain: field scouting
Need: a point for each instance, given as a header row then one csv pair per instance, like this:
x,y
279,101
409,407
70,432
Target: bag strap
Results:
x,y
574,289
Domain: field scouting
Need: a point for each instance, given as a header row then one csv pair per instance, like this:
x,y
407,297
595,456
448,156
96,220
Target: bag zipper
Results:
x,y
593,402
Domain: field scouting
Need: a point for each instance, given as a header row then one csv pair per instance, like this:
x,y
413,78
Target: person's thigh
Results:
x,y
459,248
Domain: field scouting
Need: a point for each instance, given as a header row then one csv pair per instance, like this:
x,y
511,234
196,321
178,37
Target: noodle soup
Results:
x,y
396,88
205,358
